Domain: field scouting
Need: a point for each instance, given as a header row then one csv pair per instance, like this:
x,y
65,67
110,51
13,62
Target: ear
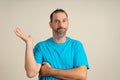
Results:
x,y
68,23
50,24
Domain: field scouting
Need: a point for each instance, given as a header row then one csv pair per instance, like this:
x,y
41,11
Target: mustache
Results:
x,y
60,28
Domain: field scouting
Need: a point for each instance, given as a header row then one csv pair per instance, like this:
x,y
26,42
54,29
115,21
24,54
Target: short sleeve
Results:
x,y
80,58
37,54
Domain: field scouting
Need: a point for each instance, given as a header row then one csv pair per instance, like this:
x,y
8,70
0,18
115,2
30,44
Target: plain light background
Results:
x,y
96,23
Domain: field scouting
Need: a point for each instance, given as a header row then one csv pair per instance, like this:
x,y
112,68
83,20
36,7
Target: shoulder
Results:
x,y
42,43
75,41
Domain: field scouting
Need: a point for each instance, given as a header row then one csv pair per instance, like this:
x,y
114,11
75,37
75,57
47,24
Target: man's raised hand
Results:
x,y
26,38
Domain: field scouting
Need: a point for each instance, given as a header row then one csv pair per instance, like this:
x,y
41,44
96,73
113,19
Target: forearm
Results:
x,y
71,74
30,65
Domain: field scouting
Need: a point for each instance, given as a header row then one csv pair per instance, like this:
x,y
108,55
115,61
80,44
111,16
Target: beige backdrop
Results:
x,y
95,22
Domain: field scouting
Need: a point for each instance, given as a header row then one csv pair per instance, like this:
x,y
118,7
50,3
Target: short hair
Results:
x,y
57,11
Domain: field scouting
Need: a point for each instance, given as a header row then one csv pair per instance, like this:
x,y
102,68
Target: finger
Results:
x,y
19,33
29,36
18,30
44,63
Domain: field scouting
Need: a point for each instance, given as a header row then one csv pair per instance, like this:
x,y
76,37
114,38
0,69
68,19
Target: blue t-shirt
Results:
x,y
67,55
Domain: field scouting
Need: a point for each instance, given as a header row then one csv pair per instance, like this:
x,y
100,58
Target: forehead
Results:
x,y
59,15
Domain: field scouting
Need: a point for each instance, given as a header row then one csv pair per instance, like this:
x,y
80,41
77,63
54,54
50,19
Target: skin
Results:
x,y
59,26
31,67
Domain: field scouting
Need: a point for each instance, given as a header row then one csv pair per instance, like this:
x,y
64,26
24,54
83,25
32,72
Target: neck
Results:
x,y
59,40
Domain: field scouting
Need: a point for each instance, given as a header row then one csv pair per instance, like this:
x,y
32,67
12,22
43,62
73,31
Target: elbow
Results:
x,y
81,77
31,72
31,75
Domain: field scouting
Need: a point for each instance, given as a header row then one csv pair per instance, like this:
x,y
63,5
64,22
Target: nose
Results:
x,y
61,24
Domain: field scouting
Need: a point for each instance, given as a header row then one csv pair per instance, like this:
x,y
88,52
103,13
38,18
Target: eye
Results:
x,y
64,20
57,21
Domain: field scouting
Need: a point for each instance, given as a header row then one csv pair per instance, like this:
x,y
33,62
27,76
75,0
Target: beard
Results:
x,y
60,32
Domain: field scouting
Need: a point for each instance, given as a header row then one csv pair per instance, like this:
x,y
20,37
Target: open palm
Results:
x,y
26,38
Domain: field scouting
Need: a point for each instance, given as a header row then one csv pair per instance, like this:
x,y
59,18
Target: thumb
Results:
x,y
44,63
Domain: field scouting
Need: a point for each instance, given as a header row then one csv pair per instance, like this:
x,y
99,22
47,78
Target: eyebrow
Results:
x,y
63,19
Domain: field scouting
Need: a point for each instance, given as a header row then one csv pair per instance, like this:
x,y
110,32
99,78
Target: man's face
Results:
x,y
59,24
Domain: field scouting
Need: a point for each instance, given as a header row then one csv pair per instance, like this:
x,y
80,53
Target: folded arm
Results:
x,y
79,73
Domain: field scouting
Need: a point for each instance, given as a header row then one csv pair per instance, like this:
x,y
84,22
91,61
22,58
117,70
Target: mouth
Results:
x,y
61,29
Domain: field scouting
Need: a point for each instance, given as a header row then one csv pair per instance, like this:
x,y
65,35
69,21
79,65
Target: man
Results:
x,y
58,57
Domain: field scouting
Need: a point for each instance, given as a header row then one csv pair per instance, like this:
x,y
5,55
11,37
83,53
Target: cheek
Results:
x,y
53,27
66,25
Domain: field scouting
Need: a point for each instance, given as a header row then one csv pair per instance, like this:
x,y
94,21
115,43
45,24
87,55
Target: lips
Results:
x,y
60,29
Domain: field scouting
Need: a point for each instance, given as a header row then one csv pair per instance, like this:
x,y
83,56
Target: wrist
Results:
x,y
29,44
53,71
